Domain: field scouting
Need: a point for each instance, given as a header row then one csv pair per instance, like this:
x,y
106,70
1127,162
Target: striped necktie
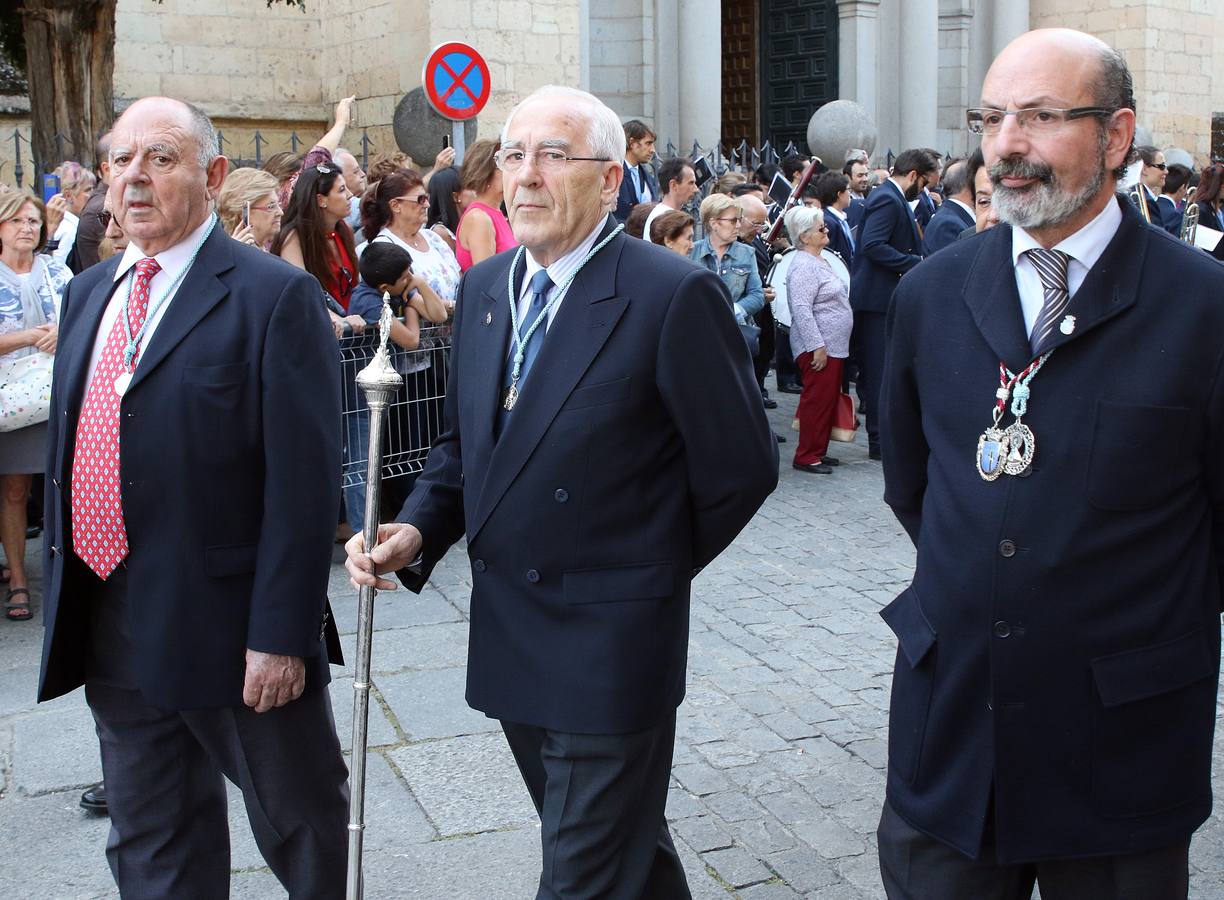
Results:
x,y
1051,266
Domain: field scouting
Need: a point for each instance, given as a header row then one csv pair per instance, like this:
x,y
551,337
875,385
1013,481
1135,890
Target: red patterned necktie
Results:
x,y
99,537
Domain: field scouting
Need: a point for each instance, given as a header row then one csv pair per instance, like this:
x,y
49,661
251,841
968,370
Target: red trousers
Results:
x,y
817,405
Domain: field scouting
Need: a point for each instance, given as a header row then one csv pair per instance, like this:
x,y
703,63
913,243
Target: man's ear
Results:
x,y
217,170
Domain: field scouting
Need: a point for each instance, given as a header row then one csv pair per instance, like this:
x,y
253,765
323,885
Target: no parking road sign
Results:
x,y
456,80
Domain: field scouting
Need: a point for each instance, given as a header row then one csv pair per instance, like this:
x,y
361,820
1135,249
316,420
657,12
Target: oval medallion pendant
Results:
x,y
1021,447
991,453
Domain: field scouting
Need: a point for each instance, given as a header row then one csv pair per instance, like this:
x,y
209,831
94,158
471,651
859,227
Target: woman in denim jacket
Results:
x,y
733,262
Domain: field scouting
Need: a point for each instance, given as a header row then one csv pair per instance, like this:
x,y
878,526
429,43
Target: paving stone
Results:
x,y
700,778
56,749
431,704
466,785
737,866
768,892
703,833
803,869
53,848
379,730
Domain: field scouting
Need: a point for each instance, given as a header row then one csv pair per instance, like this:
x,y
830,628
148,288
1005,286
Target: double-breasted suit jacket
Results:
x,y
230,464
1061,637
636,452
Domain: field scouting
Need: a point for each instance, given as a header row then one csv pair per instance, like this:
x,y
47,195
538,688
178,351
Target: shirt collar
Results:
x,y
840,215
172,259
900,191
963,205
562,268
1085,246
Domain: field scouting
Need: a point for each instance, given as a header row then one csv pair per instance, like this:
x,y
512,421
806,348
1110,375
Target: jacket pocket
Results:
x,y
597,394
1124,433
913,681
231,373
229,559
1152,729
646,581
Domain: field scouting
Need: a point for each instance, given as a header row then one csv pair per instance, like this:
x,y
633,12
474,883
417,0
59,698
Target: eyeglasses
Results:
x,y
419,200
34,224
547,159
1034,120
751,224
1164,167
823,229
725,219
271,209
104,219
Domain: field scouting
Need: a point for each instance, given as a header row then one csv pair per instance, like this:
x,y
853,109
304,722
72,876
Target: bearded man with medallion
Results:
x,y
604,441
1054,696
190,512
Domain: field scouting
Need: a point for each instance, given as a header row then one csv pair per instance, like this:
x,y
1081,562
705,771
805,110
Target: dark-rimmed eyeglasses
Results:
x,y
419,200
1034,119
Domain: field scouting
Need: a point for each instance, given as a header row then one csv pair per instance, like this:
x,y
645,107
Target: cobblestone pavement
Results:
x,y
779,763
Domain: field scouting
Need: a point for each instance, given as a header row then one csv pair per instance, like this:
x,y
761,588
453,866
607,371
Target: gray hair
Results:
x,y
605,134
800,220
1114,89
208,143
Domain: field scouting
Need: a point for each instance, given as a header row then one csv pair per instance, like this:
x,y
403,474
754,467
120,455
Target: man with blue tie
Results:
x,y
956,213
614,350
888,246
638,184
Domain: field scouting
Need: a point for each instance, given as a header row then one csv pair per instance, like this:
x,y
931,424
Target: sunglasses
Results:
x,y
1164,167
421,200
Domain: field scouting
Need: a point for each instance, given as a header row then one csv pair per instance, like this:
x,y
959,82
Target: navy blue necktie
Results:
x,y
541,284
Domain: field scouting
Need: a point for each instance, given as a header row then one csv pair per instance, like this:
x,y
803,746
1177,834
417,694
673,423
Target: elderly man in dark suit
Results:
x,y
629,389
888,246
956,213
1054,695
191,501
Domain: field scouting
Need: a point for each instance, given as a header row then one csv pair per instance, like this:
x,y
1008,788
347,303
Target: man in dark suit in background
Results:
x,y
187,576
628,390
956,213
833,192
1054,696
859,174
638,185
888,246
91,228
1172,198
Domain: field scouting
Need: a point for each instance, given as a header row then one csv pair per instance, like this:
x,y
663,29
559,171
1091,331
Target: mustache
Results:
x,y
1018,167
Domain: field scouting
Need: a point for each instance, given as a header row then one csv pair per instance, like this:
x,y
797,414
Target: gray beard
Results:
x,y
1044,205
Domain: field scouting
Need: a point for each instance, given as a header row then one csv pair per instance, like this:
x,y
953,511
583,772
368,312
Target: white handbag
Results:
x,y
25,390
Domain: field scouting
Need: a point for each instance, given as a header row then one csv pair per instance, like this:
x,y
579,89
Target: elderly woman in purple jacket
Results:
x,y
821,321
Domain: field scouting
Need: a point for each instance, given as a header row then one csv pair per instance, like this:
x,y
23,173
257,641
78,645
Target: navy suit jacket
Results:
x,y
628,198
925,210
637,451
230,432
839,242
854,212
887,248
945,227
1170,216
1061,637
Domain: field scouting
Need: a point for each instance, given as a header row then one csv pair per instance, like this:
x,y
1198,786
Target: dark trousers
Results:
x,y
817,406
765,354
915,866
601,800
165,785
784,363
871,347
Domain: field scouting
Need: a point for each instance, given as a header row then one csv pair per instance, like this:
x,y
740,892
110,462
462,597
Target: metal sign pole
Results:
x,y
457,141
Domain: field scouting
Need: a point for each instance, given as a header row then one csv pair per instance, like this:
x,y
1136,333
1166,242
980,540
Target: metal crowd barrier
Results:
x,y
414,418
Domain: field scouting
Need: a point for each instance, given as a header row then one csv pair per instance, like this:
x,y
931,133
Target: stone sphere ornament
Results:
x,y
840,126
419,130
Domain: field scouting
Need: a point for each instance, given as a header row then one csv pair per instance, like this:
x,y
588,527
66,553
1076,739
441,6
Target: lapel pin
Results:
x,y
489,318
1068,325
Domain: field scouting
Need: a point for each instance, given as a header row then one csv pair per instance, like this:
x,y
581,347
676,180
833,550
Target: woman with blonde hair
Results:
x,y
250,194
31,287
821,322
721,252
483,229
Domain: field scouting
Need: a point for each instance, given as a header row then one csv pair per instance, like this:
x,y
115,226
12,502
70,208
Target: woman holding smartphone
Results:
x,y
248,207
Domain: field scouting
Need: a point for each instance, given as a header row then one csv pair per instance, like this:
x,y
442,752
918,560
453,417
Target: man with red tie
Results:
x,y
191,497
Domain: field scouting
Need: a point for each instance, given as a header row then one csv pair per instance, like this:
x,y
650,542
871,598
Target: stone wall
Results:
x,y
1179,81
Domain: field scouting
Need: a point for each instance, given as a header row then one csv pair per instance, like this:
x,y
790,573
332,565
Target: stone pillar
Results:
x,y
667,73
700,75
917,77
955,31
981,47
1009,20
858,39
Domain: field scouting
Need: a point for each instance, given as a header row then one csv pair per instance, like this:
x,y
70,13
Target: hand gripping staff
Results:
x,y
380,383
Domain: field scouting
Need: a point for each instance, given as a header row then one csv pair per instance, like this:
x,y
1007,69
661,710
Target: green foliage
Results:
x,y
12,43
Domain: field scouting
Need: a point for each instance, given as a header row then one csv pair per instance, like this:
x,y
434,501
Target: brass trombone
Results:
x,y
1189,223
1138,197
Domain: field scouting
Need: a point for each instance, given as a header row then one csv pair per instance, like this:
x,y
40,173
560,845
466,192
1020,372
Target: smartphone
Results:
x,y
50,186
246,213
445,141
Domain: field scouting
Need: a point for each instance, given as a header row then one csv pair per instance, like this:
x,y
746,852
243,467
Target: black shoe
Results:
x,y
874,453
33,531
790,389
94,798
814,468
770,404
781,438
831,461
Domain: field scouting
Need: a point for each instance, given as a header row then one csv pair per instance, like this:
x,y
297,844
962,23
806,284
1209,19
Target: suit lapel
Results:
x,y
585,319
72,358
486,344
1112,285
994,300
200,291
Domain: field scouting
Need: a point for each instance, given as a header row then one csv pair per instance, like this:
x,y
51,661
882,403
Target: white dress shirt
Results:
x,y
172,261
558,272
1084,247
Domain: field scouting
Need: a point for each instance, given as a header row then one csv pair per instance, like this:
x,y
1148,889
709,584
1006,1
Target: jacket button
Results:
x,y
560,495
1002,630
533,576
1007,549
478,565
